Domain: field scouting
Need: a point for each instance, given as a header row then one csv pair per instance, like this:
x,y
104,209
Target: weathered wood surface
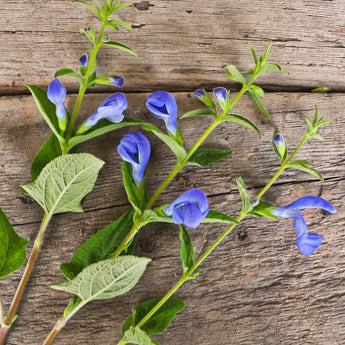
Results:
x,y
182,44
255,289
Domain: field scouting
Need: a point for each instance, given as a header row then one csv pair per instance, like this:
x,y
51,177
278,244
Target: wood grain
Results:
x,y
182,44
256,288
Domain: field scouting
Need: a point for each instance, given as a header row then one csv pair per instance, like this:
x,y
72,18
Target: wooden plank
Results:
x,y
182,45
255,289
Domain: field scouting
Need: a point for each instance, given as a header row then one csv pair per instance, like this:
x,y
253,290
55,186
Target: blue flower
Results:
x,y
56,94
189,209
220,93
111,109
162,106
116,80
134,148
83,60
199,93
306,242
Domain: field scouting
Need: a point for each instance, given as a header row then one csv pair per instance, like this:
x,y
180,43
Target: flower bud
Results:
x,y
279,146
83,60
56,94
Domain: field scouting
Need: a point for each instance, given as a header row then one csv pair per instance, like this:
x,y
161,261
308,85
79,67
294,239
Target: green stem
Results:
x,y
126,241
60,324
9,318
283,167
83,87
179,166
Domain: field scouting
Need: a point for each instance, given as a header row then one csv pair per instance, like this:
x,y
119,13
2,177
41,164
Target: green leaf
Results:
x,y
198,112
160,320
258,103
218,217
253,52
135,335
47,109
121,47
243,121
73,303
102,127
235,74
205,157
258,90
274,67
69,72
179,151
306,167
118,7
263,209
264,57
106,279
324,89
12,247
116,23
64,182
49,150
137,195
100,245
246,204
187,249
96,11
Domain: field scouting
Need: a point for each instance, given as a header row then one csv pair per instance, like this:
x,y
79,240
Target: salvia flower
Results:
x,y
83,60
56,94
190,208
162,106
220,93
306,242
134,148
116,80
111,109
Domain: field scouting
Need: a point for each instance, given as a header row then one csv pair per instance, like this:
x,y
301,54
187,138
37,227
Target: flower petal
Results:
x,y
308,243
192,216
220,93
56,94
312,202
116,80
162,106
111,109
199,93
190,208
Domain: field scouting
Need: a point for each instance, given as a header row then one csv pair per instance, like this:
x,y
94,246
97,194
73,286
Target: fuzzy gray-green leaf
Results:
x,y
106,279
64,181
135,335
